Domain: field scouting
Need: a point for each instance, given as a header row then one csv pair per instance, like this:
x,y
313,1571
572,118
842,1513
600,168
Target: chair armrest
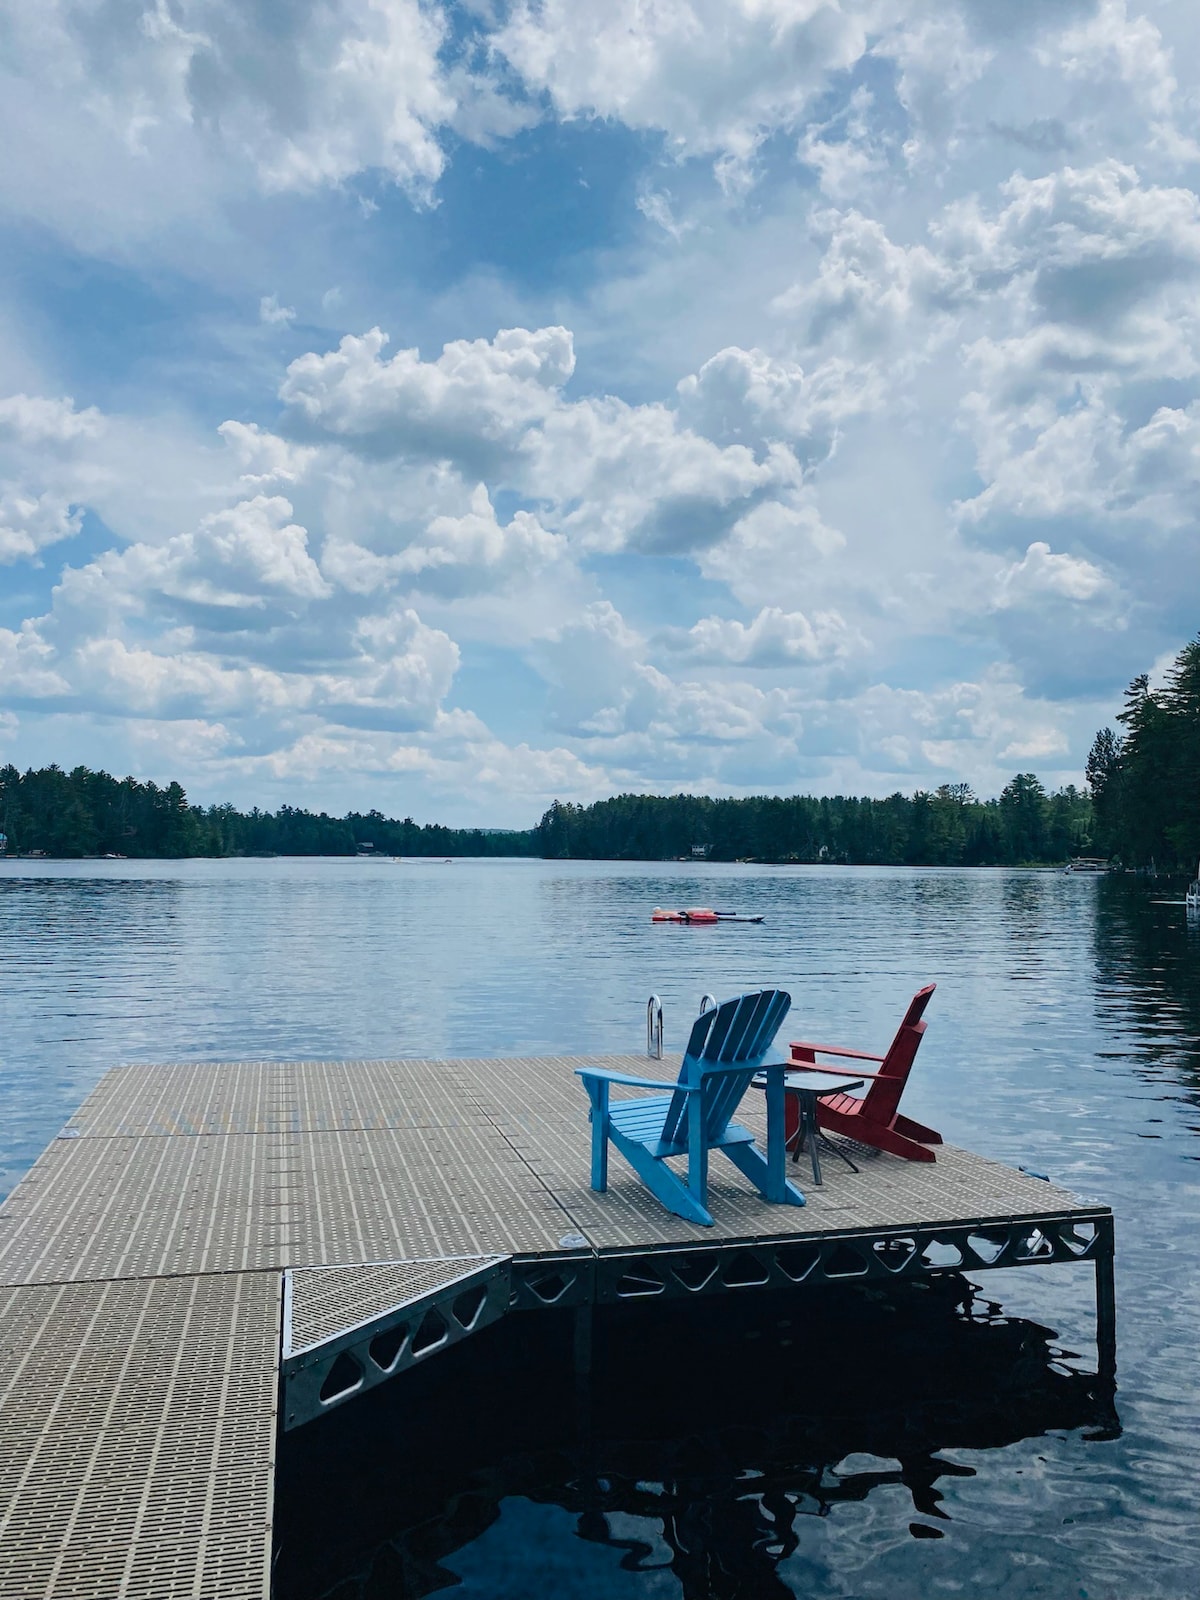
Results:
x,y
832,1050
830,1072
606,1076
743,1066
834,1072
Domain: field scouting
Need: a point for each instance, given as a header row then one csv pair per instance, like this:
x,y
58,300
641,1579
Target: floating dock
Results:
x,y
208,1256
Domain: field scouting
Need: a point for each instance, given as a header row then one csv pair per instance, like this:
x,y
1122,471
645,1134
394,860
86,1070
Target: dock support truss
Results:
x,y
327,1373
323,1375
884,1254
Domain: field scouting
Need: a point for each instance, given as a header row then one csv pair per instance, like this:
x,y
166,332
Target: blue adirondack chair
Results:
x,y
727,1049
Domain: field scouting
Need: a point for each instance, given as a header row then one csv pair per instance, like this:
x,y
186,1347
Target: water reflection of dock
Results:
x,y
204,1240
721,1499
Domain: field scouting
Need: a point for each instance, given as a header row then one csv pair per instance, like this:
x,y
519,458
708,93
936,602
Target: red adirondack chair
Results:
x,y
874,1119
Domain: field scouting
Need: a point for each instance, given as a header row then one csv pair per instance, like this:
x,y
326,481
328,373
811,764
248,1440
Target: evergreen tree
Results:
x,y
1104,780
1023,816
1145,785
1146,799
1181,697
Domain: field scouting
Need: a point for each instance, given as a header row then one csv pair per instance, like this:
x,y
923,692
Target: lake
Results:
x,y
885,1447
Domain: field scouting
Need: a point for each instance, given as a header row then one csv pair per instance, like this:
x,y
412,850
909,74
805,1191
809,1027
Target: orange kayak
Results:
x,y
699,914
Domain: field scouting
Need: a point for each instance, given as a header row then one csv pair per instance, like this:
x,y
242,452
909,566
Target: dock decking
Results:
x,y
201,1240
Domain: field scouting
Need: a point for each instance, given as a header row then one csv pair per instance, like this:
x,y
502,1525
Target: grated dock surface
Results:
x,y
148,1206
137,1429
141,1260
327,1301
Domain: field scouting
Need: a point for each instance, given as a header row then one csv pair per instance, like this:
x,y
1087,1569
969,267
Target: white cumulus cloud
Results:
x,y
451,555
714,76
1041,572
774,638
476,399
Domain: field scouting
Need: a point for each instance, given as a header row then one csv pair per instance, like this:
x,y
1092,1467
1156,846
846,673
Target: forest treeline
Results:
x,y
1145,780
1141,808
86,813
946,827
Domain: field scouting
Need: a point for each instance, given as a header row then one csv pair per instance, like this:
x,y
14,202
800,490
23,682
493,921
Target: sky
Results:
x,y
448,408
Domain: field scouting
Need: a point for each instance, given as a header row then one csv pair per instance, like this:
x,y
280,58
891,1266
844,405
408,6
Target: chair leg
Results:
x,y
894,1143
669,1190
878,1134
599,1153
749,1159
697,1153
915,1130
599,1120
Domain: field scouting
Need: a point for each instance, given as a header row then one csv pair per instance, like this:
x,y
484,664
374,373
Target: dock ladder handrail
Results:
x,y
707,1003
654,1028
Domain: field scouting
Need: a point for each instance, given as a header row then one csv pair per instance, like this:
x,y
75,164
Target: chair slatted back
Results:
x,y
882,1099
741,1030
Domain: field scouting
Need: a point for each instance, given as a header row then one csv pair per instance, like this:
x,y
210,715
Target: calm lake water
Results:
x,y
867,1447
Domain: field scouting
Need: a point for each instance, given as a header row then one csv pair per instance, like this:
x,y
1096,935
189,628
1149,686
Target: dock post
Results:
x,y
583,1345
1106,1302
591,1521
582,1350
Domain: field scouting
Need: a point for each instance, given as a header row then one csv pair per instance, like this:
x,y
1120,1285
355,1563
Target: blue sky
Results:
x,y
448,408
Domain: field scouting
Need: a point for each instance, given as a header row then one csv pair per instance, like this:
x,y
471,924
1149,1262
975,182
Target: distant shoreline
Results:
x,y
628,861
51,814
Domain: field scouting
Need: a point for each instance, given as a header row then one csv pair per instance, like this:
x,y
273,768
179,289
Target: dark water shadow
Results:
x,y
725,1424
1147,998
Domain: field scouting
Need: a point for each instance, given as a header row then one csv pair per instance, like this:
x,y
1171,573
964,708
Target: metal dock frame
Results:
x,y
324,1374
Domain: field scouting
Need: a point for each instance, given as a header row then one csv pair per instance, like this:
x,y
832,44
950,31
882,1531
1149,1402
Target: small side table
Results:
x,y
808,1087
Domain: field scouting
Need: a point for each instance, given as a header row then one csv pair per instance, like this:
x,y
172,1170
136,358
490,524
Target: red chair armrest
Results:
x,y
832,1050
837,1072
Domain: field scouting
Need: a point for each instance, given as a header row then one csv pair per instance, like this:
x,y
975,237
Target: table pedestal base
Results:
x,y
801,1127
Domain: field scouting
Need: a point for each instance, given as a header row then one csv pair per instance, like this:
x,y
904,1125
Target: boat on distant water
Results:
x,y
1087,864
1192,898
700,915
